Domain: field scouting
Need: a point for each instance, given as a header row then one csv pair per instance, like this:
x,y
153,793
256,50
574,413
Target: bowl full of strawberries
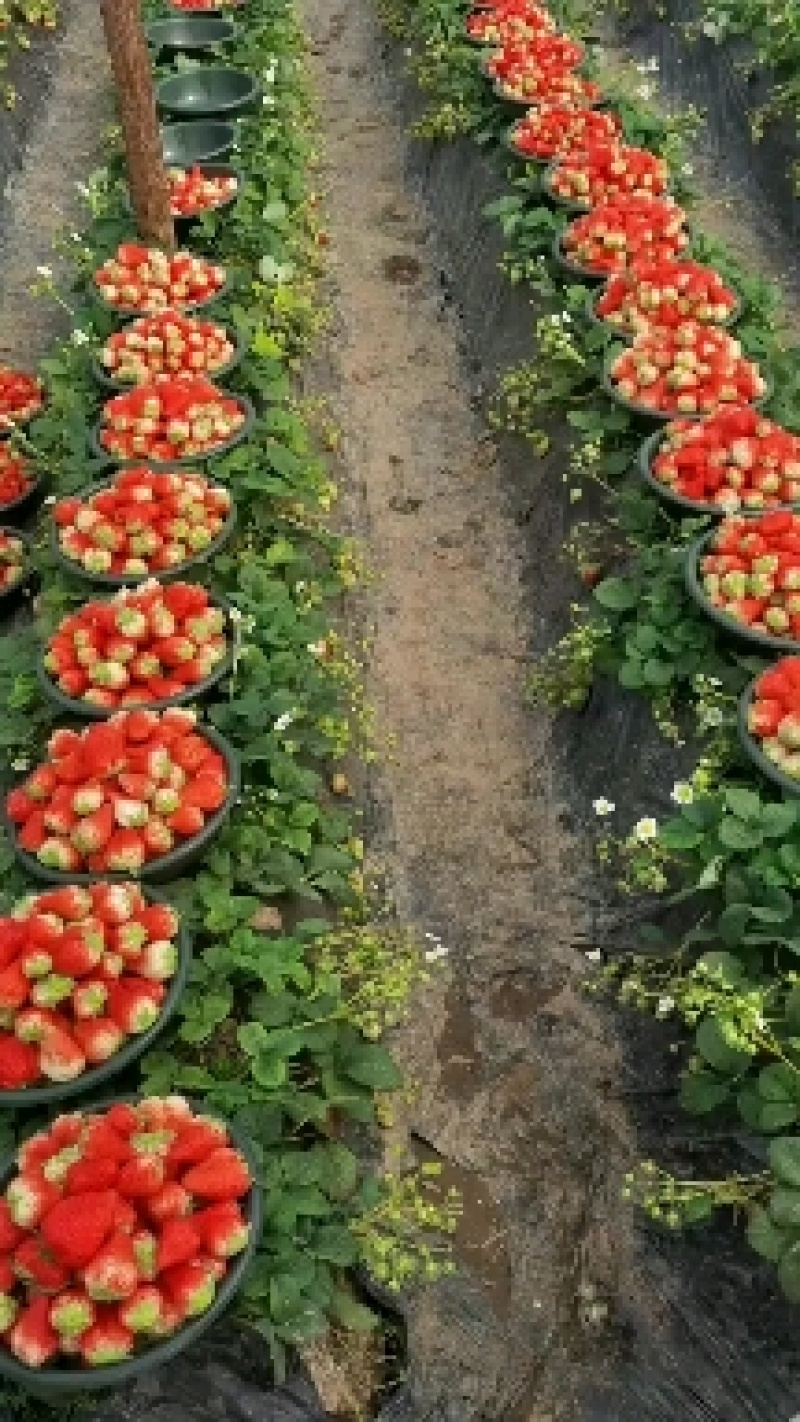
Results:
x,y
513,23
21,398
616,235
691,369
142,523
16,570
553,131
745,575
173,420
139,281
154,645
664,294
769,723
20,485
169,343
125,1230
89,978
605,172
141,794
735,460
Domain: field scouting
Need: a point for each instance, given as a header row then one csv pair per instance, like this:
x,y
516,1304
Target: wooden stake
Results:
x,y
147,178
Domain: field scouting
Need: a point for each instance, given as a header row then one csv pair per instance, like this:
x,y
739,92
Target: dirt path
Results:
x,y
509,1065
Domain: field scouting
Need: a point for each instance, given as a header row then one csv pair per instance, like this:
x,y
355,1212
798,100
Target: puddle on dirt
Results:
x,y
458,1050
479,1243
401,269
517,999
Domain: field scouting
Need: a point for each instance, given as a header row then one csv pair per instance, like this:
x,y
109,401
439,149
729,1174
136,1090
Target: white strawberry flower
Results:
x,y
603,807
682,793
645,830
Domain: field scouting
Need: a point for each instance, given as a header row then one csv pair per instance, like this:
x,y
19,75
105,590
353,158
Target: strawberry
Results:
x,y
196,1139
177,1242
143,1311
72,902
90,1175
190,1287
170,1202
123,1119
33,1339
35,1264
19,1064
145,1247
187,821
61,1058
14,990
10,1232
222,1229
159,961
104,1142
78,951
141,1177
89,998
124,852
113,1272
29,1197
98,1038
223,1175
71,1313
134,1004
107,1341
94,831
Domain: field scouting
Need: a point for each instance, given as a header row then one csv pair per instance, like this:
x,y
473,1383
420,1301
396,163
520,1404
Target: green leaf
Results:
x,y
335,1244
734,833
789,1273
617,594
784,1158
346,1309
777,820
777,1082
732,923
710,1043
702,1093
371,1065
765,1237
679,834
745,804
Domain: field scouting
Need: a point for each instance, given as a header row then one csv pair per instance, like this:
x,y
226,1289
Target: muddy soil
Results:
x,y
513,1072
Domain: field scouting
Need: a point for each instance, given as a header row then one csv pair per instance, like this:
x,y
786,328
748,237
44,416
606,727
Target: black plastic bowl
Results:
x,y
190,33
10,596
74,706
184,144
55,1381
107,382
644,459
208,92
190,460
21,507
116,580
777,646
168,866
186,309
133,1048
751,747
662,417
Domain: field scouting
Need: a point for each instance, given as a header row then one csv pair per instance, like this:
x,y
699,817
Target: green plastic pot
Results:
x,y
752,749
184,144
191,460
208,92
185,224
135,1047
107,382
116,580
125,313
52,1382
190,34
777,646
199,692
659,416
169,866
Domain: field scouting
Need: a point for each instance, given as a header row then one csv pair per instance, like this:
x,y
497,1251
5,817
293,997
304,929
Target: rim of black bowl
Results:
x,y
220,155
778,646
187,16
133,1048
28,570
232,106
130,580
107,382
663,417
751,747
127,312
165,866
216,453
64,1380
87,711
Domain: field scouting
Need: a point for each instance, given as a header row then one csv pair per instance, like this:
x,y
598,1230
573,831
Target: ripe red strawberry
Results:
x,y
14,990
196,1140
10,1233
113,1273
98,1038
33,1339
35,1264
190,1287
123,1119
90,1175
124,852
204,792
177,1242
76,1227
72,902
223,1175
29,1195
222,1229
71,1313
187,821
107,1341
77,952
134,1004
170,1202
94,830
103,1142
19,1064
8,1280
60,1057
141,1177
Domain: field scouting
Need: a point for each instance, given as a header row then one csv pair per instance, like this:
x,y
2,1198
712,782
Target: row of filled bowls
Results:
x,y
717,455
126,1228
